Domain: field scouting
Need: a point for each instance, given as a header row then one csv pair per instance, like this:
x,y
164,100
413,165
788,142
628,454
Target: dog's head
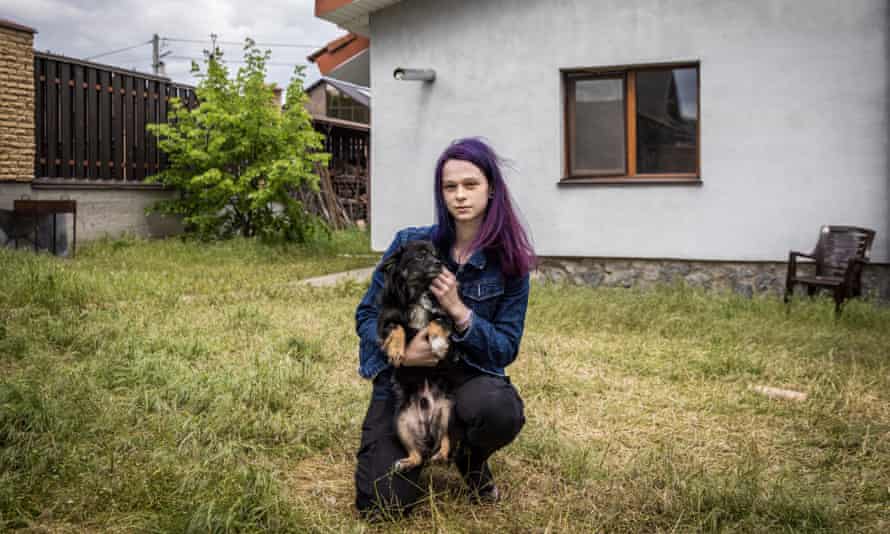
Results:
x,y
412,267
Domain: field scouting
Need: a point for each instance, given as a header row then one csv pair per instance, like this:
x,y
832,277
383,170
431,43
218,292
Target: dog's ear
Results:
x,y
389,264
393,290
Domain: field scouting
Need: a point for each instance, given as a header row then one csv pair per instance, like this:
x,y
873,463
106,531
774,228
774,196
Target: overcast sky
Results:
x,y
85,28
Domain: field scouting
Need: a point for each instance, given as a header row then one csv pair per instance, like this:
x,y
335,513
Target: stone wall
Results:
x,y
17,149
745,278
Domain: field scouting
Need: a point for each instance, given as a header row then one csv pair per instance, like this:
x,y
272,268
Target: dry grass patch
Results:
x,y
125,407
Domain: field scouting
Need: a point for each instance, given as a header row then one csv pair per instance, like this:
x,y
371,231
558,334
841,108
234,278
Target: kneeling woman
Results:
x,y
484,288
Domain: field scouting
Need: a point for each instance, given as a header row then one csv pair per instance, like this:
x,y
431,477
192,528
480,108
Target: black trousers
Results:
x,y
489,415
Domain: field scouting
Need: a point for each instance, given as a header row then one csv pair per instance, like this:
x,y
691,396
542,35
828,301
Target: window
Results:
x,y
341,106
632,124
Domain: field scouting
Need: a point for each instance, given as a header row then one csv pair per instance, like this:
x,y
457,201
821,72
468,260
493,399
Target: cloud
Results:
x,y
85,28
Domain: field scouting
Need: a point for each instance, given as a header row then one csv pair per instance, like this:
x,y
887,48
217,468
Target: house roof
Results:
x,y
352,15
338,52
359,93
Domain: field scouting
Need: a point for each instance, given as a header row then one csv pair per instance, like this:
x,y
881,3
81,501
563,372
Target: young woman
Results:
x,y
485,290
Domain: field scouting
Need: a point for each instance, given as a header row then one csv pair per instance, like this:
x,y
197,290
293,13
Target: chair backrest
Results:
x,y
838,245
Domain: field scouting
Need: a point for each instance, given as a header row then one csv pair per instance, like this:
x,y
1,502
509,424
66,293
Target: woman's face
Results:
x,y
465,190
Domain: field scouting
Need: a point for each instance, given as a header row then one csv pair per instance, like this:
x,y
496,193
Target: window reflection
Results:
x,y
341,106
599,141
667,120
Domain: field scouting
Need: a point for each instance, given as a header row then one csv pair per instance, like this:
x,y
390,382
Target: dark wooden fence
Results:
x,y
90,119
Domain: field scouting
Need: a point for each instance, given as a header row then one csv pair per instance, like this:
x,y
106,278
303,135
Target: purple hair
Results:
x,y
501,232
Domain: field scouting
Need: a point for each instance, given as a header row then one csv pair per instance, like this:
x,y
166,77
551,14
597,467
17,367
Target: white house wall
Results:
x,y
794,118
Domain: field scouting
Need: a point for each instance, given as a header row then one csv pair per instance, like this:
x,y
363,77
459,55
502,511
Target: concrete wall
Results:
x,y
356,70
103,209
794,118
102,212
17,146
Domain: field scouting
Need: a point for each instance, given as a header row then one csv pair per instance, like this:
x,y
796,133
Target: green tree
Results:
x,y
236,158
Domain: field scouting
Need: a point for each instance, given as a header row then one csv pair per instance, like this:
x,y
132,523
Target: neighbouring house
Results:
x,y
346,58
651,141
342,112
75,130
340,105
334,100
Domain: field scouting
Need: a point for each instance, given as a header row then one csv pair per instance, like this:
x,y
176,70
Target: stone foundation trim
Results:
x,y
745,278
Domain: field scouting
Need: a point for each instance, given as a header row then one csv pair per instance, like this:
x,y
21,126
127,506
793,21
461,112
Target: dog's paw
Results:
x,y
408,463
440,458
444,451
439,345
403,465
394,346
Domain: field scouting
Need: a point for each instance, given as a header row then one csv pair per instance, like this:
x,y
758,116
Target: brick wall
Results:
x,y
16,103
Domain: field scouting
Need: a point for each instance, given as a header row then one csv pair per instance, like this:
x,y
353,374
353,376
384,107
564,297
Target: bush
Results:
x,y
237,159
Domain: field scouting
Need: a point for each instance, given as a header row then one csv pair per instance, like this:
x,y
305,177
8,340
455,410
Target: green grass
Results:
x,y
175,386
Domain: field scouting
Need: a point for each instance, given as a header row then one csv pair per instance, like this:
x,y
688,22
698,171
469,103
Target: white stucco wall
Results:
x,y
794,118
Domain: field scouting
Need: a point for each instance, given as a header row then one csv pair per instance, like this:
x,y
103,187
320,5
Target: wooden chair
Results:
x,y
839,256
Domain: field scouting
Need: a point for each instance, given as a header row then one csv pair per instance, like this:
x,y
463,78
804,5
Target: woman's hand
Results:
x,y
419,353
444,288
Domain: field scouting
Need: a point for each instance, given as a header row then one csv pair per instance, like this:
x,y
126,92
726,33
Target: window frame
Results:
x,y
628,73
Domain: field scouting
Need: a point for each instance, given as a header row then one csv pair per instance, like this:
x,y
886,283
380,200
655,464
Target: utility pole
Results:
x,y
213,46
156,54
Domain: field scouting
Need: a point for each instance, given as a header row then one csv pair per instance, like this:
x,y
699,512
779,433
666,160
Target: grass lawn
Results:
x,y
170,386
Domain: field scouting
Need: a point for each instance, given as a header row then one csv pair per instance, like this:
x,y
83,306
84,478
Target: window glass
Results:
x,y
667,120
341,106
598,146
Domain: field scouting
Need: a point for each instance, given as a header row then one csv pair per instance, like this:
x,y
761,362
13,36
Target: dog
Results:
x,y
424,406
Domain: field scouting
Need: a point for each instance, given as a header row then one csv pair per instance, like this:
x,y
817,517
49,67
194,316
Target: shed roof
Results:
x,y
359,93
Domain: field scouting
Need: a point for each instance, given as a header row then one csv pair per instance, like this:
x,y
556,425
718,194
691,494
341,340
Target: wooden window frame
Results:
x,y
628,73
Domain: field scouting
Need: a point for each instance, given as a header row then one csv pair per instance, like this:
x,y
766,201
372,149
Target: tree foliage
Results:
x,y
237,158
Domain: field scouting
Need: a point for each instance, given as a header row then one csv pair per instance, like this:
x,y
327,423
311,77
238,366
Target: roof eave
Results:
x,y
352,15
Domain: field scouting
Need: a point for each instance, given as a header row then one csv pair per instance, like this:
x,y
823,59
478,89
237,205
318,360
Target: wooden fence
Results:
x,y
90,119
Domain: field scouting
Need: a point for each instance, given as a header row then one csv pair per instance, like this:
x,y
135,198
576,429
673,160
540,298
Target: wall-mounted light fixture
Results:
x,y
414,75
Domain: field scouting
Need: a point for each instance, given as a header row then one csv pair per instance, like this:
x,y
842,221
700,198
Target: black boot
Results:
x,y
477,475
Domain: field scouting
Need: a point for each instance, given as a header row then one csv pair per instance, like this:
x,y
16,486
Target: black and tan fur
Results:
x,y
424,406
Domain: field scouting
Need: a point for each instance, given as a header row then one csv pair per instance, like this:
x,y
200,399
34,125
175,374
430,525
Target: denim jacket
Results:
x,y
498,303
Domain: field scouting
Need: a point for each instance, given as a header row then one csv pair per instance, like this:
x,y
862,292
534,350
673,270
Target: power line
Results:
x,y
268,63
205,41
117,51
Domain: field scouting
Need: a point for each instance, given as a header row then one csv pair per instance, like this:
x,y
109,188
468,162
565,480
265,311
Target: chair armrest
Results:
x,y
792,264
795,253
